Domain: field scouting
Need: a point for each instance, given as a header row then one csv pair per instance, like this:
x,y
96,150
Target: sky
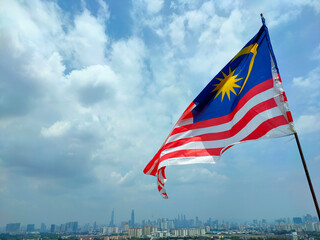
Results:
x,y
89,90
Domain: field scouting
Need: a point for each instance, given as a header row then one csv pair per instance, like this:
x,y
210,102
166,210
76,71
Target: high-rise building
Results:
x,y
53,228
307,218
43,227
135,232
125,227
63,227
112,219
309,226
297,220
146,230
94,226
30,228
132,224
13,227
71,227
317,227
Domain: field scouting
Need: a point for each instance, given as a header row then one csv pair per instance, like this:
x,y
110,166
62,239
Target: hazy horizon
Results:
x,y
119,222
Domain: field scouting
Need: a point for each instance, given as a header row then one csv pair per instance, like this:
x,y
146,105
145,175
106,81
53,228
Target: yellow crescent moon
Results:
x,y
250,49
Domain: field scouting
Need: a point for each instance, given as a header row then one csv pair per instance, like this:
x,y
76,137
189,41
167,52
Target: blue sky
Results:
x,y
90,89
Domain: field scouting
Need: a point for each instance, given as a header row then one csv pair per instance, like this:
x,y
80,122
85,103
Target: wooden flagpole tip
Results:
x,y
262,19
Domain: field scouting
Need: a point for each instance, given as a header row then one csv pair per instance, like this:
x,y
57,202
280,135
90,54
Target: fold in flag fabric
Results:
x,y
244,101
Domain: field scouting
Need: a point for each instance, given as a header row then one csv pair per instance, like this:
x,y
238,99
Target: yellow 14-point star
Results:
x,y
226,84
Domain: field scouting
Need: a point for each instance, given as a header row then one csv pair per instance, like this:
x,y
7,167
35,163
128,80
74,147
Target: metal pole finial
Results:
x,y
262,19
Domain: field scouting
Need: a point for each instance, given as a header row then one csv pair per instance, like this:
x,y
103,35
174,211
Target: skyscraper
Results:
x,y
112,219
53,228
13,227
30,228
132,224
71,227
43,227
94,226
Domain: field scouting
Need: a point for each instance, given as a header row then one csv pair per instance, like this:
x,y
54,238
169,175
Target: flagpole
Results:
x,y
307,174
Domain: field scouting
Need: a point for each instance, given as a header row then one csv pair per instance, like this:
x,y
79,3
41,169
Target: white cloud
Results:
x,y
308,123
317,159
85,44
93,84
314,4
197,174
104,13
57,129
312,79
306,95
122,179
302,82
154,6
177,31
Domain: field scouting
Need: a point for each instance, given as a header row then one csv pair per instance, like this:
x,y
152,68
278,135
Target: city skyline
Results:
x,y
180,217
163,228
91,88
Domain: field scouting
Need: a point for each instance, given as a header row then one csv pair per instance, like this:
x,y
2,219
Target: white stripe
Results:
x,y
189,160
244,132
280,131
261,97
184,122
151,169
161,178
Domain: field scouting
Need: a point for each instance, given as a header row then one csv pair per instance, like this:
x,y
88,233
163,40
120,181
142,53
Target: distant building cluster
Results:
x,y
164,227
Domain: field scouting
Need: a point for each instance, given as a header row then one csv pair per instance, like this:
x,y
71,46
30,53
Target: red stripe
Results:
x,y
266,126
227,118
289,116
150,164
284,97
261,107
160,183
155,169
192,153
187,113
259,132
263,129
163,174
227,148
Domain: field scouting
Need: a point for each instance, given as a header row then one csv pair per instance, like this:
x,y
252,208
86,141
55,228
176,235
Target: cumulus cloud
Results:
x,y
308,123
85,43
305,96
301,82
198,175
312,80
154,6
93,84
177,31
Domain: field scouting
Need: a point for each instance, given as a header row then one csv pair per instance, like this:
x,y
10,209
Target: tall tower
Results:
x,y
132,218
112,219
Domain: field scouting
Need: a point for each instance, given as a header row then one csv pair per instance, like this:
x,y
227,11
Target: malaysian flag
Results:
x,y
244,101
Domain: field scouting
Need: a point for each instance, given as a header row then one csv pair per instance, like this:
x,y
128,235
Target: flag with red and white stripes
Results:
x,y
244,101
